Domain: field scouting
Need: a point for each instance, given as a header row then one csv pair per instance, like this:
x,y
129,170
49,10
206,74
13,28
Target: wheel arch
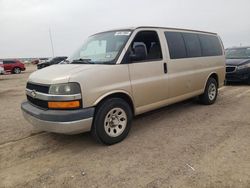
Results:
x,y
212,75
117,94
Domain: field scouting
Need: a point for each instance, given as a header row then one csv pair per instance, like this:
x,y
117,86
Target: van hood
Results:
x,y
59,73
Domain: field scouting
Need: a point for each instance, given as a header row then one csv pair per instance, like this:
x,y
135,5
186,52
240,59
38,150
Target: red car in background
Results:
x,y
13,66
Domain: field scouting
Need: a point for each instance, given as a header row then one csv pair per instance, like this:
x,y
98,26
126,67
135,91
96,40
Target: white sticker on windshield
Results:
x,y
122,33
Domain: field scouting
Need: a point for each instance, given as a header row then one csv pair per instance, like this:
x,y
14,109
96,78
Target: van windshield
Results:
x,y
102,48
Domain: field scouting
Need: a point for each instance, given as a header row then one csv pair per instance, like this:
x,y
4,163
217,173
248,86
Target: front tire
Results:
x,y
211,91
112,121
17,70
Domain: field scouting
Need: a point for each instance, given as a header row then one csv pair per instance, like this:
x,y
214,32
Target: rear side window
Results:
x,y
176,45
210,45
189,45
192,44
9,62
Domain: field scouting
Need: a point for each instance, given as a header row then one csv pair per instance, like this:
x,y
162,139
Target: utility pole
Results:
x,y
51,42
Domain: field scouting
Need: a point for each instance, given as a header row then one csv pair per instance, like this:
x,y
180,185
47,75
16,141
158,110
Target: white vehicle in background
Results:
x,y
1,68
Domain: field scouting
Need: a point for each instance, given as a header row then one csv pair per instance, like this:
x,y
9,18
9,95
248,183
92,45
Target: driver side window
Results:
x,y
145,47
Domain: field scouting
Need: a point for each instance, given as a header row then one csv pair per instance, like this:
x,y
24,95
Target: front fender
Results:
x,y
99,99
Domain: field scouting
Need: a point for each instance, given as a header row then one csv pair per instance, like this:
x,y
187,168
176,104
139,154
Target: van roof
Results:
x,y
155,27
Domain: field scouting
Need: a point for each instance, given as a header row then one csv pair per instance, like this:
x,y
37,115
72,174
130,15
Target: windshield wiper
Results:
x,y
83,61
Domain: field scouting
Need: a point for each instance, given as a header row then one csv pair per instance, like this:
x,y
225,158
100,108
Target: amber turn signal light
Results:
x,y
64,105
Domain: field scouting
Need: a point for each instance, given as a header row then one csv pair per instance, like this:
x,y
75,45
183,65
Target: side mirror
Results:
x,y
139,53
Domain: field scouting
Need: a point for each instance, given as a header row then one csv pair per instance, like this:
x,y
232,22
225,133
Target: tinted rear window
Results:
x,y
210,45
192,44
176,45
9,62
188,45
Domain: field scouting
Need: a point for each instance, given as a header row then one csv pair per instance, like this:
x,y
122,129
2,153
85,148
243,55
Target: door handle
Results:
x,y
165,68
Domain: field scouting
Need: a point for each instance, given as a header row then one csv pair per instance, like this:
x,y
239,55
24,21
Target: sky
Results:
x,y
25,24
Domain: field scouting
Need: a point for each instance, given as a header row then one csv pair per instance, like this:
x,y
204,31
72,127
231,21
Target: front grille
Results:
x,y
37,87
230,69
38,102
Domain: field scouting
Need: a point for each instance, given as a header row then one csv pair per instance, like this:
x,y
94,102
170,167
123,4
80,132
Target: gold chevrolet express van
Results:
x,y
121,73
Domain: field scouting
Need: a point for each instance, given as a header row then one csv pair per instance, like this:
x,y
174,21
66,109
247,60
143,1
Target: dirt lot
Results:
x,y
183,145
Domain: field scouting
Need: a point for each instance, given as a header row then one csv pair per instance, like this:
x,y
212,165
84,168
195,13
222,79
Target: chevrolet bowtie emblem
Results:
x,y
33,93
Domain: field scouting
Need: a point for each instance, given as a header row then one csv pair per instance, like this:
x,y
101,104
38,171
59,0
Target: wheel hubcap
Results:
x,y
115,122
212,91
17,71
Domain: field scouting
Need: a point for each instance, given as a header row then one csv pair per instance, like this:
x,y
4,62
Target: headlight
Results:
x,y
243,66
65,89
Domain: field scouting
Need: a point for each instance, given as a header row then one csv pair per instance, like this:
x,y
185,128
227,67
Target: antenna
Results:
x,y
51,42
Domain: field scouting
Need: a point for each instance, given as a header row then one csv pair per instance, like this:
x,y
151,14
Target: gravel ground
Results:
x,y
183,145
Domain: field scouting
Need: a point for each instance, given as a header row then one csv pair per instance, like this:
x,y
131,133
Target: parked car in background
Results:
x,y
43,59
13,66
238,64
52,61
1,68
35,61
122,73
39,60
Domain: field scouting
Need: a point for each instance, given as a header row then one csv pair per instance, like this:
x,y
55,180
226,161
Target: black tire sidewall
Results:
x,y
101,112
204,98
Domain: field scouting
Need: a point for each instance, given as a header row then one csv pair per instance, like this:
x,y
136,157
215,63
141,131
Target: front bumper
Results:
x,y
238,75
58,121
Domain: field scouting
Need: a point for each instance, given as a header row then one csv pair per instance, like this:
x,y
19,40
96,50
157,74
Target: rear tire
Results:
x,y
112,121
16,70
211,91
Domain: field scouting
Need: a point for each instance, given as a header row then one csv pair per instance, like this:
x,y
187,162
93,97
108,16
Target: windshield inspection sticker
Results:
x,y
122,33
